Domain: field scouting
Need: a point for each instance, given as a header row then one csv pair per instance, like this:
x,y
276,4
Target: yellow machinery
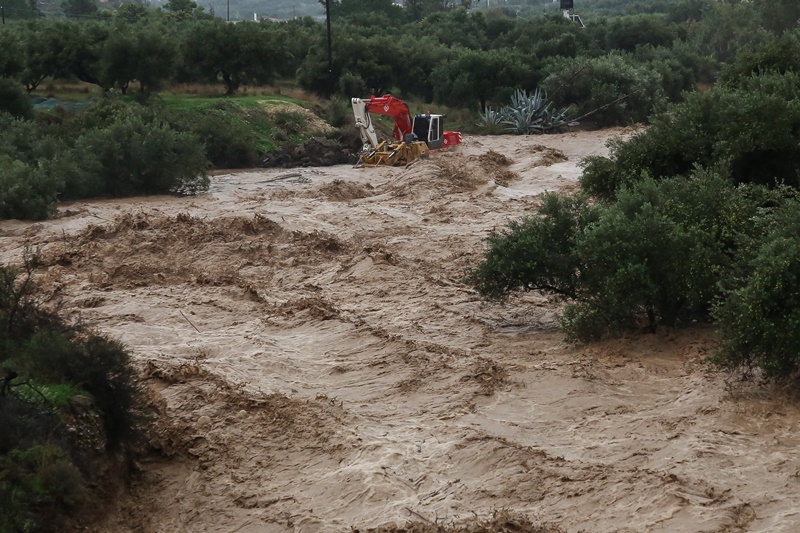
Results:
x,y
393,153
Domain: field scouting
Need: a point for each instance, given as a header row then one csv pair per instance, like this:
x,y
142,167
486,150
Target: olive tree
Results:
x,y
235,53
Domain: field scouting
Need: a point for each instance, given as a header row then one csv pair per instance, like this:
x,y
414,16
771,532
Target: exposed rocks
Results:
x,y
316,152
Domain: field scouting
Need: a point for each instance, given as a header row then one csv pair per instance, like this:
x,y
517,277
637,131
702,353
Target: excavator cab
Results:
x,y
430,128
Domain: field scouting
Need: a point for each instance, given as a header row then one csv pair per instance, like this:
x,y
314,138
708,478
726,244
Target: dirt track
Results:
x,y
319,365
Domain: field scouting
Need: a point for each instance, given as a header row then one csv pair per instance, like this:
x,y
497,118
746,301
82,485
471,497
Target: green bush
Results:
x,y
137,157
537,253
82,173
628,33
123,148
18,138
43,349
727,28
655,256
680,66
27,192
751,133
227,140
100,365
39,485
759,321
351,85
31,170
772,55
13,99
338,112
113,148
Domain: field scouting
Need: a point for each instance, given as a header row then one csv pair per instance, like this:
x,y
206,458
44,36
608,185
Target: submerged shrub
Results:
x,y
112,148
538,252
657,255
136,157
222,128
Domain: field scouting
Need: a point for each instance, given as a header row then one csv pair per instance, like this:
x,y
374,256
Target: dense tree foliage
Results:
x,y
431,50
136,53
760,318
653,256
612,89
241,53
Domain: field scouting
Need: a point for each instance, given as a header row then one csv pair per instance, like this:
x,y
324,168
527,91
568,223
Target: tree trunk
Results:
x,y
231,83
33,84
651,316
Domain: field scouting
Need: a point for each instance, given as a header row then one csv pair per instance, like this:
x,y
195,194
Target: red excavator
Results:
x,y
412,137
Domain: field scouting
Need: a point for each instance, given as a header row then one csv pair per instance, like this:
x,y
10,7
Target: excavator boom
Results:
x,y
395,108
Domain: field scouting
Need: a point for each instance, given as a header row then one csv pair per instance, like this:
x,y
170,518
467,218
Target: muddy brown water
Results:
x,y
318,365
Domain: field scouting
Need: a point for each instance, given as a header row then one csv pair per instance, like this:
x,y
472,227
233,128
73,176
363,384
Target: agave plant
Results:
x,y
526,114
521,100
490,117
518,119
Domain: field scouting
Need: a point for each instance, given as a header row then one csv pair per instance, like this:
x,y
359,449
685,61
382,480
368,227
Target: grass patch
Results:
x,y
198,102
57,395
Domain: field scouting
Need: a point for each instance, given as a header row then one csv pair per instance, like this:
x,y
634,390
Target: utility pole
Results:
x,y
229,10
330,48
3,11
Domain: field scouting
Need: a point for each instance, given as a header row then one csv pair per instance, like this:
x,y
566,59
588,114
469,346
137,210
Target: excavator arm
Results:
x,y
381,105
364,124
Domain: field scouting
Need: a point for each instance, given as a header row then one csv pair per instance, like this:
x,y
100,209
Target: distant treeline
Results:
x,y
630,64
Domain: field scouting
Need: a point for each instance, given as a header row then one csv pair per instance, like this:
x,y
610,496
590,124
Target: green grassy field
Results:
x,y
188,102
